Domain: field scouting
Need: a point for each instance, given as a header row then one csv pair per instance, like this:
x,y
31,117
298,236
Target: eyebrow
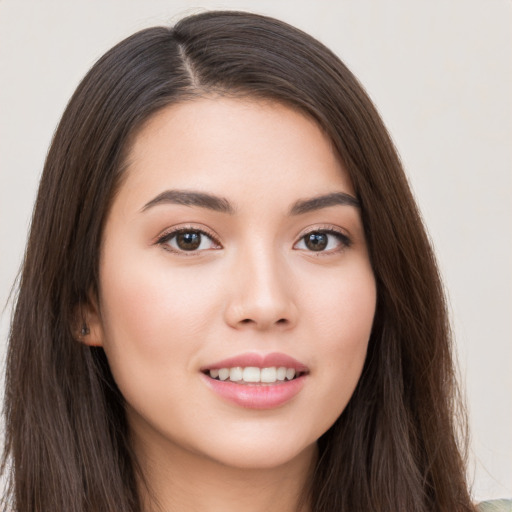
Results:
x,y
317,203
222,205
190,198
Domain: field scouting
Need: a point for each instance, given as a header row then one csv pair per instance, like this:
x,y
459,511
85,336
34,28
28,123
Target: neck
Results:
x,y
178,480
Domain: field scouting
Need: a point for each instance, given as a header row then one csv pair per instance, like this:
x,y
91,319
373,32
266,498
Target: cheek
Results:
x,y
342,318
152,314
342,307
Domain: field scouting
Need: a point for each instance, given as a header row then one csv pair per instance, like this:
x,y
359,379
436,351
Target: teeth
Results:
x,y
290,373
224,373
268,374
235,374
253,374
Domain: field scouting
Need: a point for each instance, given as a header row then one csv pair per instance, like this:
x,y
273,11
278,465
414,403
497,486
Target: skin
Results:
x,y
255,286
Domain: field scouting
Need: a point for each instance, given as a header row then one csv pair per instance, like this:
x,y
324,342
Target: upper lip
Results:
x,y
254,359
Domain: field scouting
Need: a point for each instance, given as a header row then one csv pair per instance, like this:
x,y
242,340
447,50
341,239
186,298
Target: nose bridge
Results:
x,y
262,293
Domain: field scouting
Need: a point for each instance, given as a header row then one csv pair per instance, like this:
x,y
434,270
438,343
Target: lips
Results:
x,y
256,381
253,359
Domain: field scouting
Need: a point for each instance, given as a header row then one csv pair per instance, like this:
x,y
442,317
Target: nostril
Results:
x,y
246,321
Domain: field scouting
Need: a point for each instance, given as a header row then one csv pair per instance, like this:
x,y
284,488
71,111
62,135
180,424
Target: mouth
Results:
x,y
255,375
256,381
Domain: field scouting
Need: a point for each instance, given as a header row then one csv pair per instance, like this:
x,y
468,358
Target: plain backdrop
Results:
x,y
440,73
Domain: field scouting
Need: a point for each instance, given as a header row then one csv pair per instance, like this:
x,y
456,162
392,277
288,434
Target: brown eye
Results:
x,y
188,240
316,241
328,241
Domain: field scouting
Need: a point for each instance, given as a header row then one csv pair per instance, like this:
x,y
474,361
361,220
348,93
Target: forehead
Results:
x,y
217,143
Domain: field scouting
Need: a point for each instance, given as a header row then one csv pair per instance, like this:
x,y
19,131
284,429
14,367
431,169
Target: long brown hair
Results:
x,y
67,447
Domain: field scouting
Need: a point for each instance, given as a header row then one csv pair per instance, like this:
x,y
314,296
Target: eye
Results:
x,y
323,241
188,240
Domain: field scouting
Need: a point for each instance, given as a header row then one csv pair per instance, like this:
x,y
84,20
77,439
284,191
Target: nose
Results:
x,y
261,293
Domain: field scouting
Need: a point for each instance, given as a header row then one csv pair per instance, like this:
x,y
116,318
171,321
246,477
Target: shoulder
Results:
x,y
495,506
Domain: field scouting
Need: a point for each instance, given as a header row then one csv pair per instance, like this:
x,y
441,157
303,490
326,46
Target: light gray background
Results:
x,y
440,73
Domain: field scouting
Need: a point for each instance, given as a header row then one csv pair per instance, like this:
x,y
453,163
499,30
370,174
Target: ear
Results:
x,y
89,323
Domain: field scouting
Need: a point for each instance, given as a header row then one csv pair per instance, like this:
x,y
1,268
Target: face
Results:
x,y
236,295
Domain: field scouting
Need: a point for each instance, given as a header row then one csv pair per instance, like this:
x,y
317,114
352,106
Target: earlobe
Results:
x,y
89,325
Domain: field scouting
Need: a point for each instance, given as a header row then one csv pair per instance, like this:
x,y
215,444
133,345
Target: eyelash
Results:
x,y
344,240
165,238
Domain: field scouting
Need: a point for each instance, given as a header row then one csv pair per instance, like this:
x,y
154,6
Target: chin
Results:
x,y
259,450
258,457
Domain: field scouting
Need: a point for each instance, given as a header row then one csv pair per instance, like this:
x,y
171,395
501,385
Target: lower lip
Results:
x,y
257,396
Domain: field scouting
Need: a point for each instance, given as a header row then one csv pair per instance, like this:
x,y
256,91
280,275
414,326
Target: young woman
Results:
x,y
228,299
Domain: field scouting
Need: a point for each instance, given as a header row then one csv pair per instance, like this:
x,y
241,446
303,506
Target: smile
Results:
x,y
256,381
254,375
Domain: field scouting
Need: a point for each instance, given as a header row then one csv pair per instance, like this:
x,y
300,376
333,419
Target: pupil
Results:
x,y
189,241
316,241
